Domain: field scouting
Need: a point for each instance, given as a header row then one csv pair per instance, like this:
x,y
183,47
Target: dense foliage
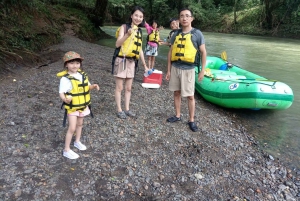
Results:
x,y
30,25
271,17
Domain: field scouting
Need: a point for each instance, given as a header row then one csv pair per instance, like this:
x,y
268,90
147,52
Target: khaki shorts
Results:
x,y
182,80
124,69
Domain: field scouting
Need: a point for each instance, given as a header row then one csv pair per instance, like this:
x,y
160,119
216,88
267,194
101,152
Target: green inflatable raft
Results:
x,y
230,86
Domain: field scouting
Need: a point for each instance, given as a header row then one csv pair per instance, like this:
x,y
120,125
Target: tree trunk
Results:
x,y
151,9
99,12
270,6
234,11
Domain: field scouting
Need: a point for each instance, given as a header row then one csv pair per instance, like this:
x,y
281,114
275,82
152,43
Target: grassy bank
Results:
x,y
27,29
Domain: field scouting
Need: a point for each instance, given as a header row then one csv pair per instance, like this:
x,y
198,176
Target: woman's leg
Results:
x,y
118,91
128,85
72,128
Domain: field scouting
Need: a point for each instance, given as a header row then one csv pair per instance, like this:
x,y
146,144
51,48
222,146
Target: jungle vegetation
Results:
x,y
28,26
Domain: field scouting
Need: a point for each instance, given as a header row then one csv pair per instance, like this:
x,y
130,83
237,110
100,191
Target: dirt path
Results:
x,y
144,158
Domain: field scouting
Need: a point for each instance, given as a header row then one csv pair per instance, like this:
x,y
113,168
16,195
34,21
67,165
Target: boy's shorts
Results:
x,y
124,69
182,80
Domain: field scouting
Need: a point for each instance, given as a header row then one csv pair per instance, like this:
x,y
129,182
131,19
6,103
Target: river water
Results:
x,y
277,131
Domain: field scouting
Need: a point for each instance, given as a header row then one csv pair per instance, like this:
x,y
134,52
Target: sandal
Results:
x,y
173,119
122,115
129,113
193,126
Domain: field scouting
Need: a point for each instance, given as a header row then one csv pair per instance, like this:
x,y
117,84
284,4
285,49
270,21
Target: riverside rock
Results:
x,y
142,158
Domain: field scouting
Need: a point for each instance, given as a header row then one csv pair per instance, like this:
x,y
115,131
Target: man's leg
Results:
x,y
177,103
174,85
191,106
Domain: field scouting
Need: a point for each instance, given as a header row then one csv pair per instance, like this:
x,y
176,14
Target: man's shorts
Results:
x,y
182,80
124,68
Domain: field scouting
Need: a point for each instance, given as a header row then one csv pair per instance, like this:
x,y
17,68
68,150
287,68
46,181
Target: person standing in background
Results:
x,y
153,40
174,25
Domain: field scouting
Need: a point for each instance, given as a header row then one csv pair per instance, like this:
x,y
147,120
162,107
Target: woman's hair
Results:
x,y
78,60
139,9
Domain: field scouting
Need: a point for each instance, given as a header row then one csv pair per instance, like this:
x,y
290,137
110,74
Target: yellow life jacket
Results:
x,y
80,92
132,45
183,49
154,36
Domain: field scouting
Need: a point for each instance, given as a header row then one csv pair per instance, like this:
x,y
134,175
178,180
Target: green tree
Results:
x,y
275,12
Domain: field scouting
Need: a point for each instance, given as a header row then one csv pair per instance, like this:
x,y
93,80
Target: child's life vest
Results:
x,y
153,36
80,94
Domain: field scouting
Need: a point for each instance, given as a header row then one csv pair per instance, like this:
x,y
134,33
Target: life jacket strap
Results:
x,y
65,118
90,107
134,58
65,115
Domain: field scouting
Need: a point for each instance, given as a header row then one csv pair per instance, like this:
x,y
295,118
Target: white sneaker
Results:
x,y
70,154
79,146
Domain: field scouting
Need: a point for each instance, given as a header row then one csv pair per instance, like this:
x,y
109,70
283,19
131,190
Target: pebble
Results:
x,y
132,159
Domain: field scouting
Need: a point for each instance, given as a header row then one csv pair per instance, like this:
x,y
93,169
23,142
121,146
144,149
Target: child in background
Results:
x,y
153,42
74,91
174,25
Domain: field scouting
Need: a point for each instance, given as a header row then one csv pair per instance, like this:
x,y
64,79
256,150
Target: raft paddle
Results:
x,y
224,56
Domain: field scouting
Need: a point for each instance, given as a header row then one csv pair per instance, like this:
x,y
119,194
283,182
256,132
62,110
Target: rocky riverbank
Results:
x,y
142,158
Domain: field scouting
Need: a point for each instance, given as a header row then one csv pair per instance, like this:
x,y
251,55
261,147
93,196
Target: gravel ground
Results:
x,y
142,158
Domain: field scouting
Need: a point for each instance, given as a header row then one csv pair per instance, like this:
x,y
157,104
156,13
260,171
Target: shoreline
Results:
x,y
143,158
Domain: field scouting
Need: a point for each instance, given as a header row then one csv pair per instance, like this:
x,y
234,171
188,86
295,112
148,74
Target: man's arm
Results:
x,y
202,49
169,64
